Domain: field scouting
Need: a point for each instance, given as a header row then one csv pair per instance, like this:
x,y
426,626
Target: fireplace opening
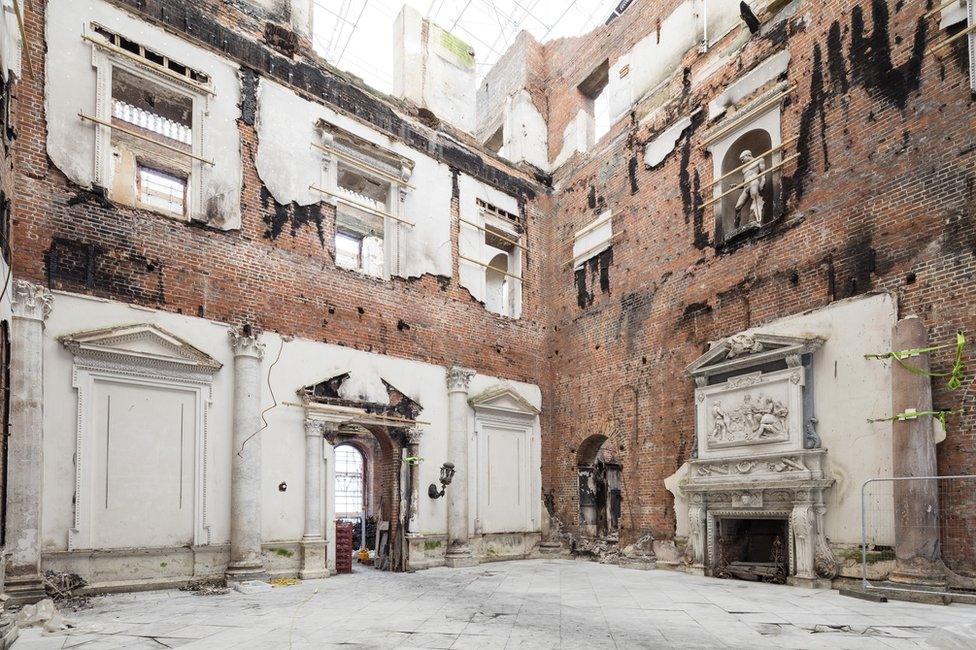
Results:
x,y
752,549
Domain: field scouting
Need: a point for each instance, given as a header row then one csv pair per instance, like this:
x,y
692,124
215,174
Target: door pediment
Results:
x,y
139,345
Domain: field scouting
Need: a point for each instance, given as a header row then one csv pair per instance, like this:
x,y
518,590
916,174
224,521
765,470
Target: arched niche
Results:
x,y
758,136
496,284
599,474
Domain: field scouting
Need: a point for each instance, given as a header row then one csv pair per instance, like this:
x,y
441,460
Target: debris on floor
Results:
x,y
47,617
62,587
285,582
206,587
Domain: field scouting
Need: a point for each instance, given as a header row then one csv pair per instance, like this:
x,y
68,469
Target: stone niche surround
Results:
x,y
757,453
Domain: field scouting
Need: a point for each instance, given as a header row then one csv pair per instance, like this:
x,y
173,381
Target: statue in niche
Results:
x,y
754,179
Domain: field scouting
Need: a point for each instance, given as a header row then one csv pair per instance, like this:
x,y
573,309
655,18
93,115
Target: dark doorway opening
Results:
x,y
752,549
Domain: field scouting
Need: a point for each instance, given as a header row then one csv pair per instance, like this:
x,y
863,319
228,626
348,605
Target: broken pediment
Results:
x,y
503,399
143,344
750,349
362,390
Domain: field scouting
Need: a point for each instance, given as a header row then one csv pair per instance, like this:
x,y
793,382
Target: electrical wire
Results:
x,y
274,401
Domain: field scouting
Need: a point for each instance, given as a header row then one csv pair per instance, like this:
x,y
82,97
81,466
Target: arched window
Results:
x,y
350,482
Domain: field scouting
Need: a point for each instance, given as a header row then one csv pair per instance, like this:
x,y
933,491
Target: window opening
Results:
x,y
597,104
150,57
161,190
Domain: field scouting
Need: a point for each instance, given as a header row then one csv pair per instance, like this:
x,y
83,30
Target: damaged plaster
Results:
x,y
71,87
471,241
664,143
288,165
759,76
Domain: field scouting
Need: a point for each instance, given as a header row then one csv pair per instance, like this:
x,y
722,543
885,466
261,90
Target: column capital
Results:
x,y
28,300
313,428
245,343
413,435
458,378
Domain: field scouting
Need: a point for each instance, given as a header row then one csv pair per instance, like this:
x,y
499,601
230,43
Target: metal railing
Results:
x,y
938,513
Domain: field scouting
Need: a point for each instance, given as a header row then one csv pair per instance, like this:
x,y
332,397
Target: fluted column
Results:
x,y
31,304
458,550
313,541
246,561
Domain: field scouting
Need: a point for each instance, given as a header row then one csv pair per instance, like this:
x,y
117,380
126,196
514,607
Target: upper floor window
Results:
x,y
502,259
147,120
597,102
367,185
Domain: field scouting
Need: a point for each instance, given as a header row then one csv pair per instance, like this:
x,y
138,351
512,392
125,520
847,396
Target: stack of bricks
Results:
x,y
343,547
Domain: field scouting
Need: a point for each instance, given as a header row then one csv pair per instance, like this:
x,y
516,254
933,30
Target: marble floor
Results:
x,y
525,605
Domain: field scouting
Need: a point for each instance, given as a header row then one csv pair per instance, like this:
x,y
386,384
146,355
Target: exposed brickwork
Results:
x,y
75,240
883,201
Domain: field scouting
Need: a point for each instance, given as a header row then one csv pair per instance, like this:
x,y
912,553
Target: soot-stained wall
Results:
x,y
881,198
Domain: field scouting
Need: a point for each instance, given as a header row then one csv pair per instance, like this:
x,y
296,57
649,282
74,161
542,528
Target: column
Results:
x,y
458,550
31,304
918,553
313,541
246,561
413,450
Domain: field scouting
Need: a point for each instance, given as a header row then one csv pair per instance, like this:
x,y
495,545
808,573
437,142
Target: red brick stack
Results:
x,y
343,547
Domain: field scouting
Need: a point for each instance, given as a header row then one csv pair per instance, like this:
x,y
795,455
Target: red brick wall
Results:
x,y
893,211
71,239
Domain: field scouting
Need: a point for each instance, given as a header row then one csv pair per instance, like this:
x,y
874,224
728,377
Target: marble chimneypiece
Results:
x,y
758,457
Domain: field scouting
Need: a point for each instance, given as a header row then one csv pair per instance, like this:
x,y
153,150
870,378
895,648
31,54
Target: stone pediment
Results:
x,y
749,349
141,344
503,398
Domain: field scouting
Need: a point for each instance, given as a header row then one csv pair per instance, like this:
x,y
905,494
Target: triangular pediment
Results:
x,y
139,344
750,349
502,398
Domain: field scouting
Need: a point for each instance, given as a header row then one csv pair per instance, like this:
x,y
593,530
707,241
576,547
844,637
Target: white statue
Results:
x,y
720,429
755,182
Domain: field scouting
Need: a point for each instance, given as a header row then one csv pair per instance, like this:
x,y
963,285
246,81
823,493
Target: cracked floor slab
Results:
x,y
524,604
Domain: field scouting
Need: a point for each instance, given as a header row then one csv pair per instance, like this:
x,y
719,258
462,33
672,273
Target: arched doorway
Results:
x,y
599,474
350,492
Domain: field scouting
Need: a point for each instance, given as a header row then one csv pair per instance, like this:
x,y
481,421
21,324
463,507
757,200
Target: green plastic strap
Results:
x,y
954,375
911,415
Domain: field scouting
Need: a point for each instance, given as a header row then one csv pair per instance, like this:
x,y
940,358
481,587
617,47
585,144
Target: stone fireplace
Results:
x,y
755,488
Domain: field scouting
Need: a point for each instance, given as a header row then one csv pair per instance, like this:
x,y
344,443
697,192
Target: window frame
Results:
x,y
341,148
106,60
495,222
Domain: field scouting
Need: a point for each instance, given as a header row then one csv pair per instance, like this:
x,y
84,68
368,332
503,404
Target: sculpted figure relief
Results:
x,y
755,182
754,420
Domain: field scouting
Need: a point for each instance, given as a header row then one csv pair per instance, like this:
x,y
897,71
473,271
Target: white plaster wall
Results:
x,y
533,491
430,75
301,363
758,77
70,89
471,241
849,389
652,61
576,138
664,143
10,44
525,131
288,164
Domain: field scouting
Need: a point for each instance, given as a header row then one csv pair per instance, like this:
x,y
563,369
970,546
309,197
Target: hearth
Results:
x,y
752,549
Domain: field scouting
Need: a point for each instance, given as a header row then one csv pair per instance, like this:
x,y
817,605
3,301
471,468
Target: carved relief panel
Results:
x,y
752,409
